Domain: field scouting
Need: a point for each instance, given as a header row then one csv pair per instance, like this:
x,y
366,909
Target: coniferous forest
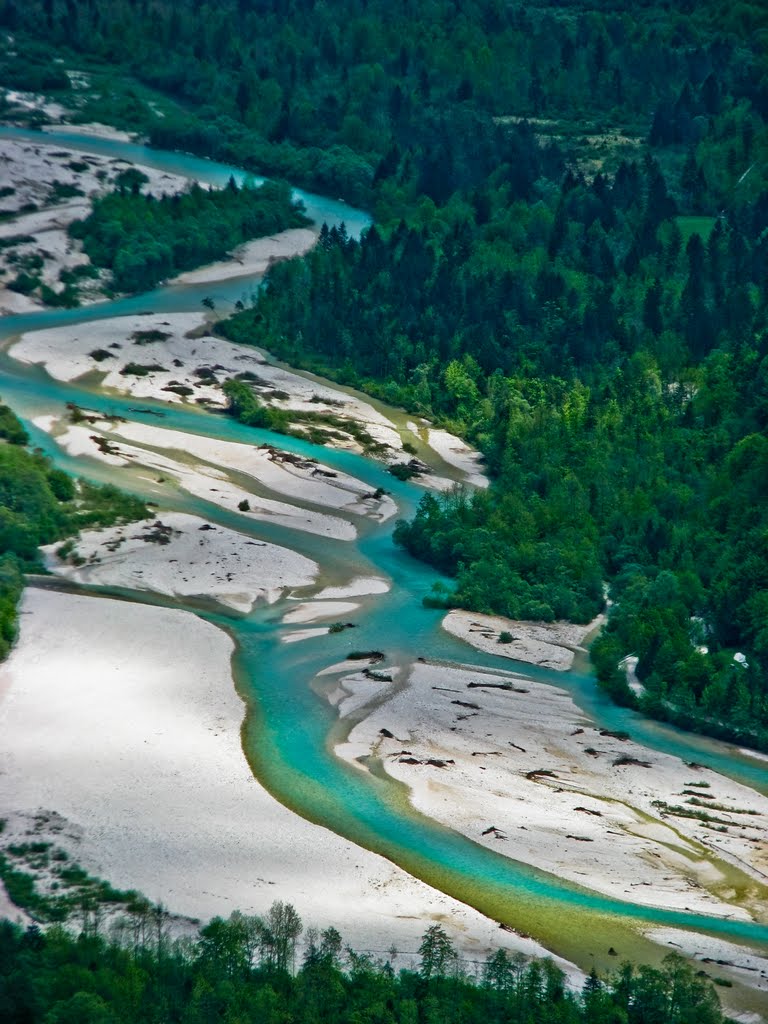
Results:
x,y
241,970
568,267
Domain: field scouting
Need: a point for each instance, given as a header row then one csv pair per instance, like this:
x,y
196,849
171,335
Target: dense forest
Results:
x,y
40,504
239,970
143,240
622,415
331,94
568,267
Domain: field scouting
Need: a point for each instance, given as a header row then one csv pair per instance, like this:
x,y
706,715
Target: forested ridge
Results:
x,y
239,970
568,267
331,93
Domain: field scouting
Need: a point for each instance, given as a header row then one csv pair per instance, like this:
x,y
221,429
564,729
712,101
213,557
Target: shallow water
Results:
x,y
287,733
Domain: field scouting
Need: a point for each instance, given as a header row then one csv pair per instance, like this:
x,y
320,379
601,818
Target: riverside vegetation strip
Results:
x,y
240,967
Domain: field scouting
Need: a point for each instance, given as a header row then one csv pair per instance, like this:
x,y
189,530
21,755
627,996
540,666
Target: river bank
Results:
x,y
548,644
514,765
122,719
253,258
175,359
183,556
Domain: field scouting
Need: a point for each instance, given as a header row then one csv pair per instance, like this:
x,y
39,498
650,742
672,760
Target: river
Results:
x,y
288,730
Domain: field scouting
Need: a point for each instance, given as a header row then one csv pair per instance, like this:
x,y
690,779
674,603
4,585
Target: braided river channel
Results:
x,y
290,730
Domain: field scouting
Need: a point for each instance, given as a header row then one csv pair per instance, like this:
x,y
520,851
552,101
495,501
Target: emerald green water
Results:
x,y
286,736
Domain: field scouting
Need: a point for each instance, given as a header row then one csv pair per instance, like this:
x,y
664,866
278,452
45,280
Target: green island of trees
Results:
x,y
143,240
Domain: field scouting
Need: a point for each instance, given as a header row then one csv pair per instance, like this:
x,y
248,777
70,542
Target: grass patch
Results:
x,y
141,369
24,283
406,471
695,226
721,807
63,892
148,337
61,190
350,427
71,275
12,240
688,812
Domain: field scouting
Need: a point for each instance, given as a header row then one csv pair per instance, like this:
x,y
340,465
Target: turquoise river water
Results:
x,y
289,729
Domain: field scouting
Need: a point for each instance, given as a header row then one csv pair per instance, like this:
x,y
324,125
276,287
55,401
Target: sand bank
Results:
x,y
181,362
550,644
253,258
304,634
31,168
522,770
433,482
288,475
24,102
123,719
161,345
182,555
630,667
354,692
360,685
311,611
93,130
197,478
358,587
52,186
457,453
